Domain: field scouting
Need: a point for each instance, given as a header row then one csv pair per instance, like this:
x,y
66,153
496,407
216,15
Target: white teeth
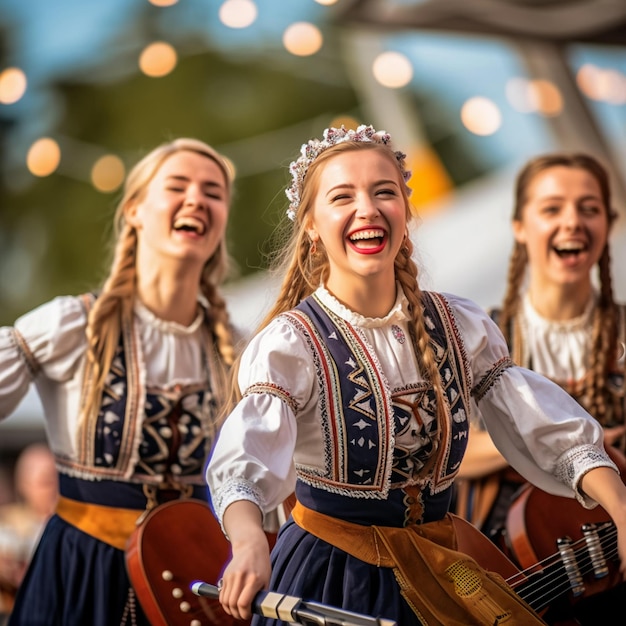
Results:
x,y
368,234
189,223
570,246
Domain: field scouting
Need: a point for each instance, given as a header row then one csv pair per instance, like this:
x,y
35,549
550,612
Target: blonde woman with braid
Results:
x,y
356,393
559,318
130,378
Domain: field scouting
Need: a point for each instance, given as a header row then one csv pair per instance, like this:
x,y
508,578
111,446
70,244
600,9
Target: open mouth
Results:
x,y
190,225
370,238
570,249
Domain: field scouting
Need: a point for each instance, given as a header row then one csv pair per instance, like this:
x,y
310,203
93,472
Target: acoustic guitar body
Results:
x,y
178,543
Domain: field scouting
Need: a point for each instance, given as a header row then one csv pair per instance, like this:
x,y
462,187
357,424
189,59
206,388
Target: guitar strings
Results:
x,y
548,579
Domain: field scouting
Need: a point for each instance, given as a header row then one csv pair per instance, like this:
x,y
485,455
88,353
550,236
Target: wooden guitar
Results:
x,y
179,542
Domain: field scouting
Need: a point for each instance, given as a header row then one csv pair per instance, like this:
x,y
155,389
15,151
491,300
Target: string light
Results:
x,y
158,59
238,13
392,69
481,116
107,173
43,157
302,39
13,85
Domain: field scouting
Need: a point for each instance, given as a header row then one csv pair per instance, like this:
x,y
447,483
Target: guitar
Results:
x,y
180,542
177,543
582,567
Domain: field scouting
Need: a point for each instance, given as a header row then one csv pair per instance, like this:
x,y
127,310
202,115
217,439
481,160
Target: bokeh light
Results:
x,y
158,59
238,13
107,173
13,85
43,157
326,3
302,39
163,3
481,116
519,95
548,98
392,69
602,85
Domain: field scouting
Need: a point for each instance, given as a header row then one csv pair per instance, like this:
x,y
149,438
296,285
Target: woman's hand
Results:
x,y
248,572
606,487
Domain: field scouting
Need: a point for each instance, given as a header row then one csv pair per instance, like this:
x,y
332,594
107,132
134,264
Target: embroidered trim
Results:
x,y
235,489
370,385
29,358
490,378
575,463
273,390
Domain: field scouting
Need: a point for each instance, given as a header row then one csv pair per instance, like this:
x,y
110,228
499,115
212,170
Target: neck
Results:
x,y
370,298
172,297
562,303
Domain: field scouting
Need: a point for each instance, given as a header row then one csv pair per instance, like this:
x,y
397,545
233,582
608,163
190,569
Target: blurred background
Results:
x,y
468,89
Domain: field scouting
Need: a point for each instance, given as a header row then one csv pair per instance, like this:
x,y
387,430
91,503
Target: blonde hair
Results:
x,y
303,272
603,352
114,304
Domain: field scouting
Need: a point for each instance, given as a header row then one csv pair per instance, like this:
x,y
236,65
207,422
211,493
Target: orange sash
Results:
x,y
444,587
106,523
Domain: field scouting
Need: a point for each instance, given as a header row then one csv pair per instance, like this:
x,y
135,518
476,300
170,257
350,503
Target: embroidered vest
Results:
x,y
361,415
144,434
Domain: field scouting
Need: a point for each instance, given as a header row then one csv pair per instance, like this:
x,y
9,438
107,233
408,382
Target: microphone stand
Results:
x,y
297,610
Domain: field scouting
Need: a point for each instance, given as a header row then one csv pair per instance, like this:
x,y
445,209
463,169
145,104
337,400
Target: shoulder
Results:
x,y
56,313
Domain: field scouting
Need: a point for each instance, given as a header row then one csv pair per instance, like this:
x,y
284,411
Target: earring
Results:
x,y
313,248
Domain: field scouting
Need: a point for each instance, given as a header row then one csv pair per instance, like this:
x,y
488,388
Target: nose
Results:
x,y
571,216
194,196
366,207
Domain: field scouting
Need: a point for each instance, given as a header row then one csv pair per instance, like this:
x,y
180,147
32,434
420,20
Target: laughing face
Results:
x,y
359,216
564,225
184,210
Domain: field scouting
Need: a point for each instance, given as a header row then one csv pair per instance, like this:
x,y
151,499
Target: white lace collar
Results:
x,y
398,312
164,326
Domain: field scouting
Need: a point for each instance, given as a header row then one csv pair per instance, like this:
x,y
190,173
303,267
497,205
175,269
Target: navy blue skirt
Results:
x,y
74,580
309,568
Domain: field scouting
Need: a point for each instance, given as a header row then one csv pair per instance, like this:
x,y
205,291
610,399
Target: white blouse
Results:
x,y
541,430
559,349
54,333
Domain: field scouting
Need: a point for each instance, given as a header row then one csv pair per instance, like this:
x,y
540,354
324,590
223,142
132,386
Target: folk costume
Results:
x,y
154,430
558,350
334,406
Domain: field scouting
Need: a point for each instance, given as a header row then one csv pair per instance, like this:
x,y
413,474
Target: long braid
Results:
x,y
406,274
603,354
105,318
512,297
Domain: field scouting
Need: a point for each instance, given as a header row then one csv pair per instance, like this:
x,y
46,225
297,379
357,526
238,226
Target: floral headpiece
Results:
x,y
332,136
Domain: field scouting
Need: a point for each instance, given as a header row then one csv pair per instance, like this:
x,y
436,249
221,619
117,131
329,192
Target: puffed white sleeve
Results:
x,y
253,456
46,342
537,426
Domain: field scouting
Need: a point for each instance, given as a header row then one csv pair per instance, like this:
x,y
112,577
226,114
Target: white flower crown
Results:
x,y
332,136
